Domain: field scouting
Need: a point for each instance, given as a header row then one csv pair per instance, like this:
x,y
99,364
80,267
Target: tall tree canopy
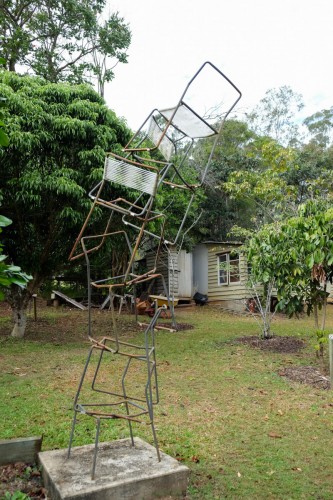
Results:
x,y
320,126
275,115
9,273
220,211
63,39
58,136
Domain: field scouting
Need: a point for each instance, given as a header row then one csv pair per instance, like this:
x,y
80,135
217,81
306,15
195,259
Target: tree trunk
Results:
x,y
19,299
316,317
11,65
20,322
323,320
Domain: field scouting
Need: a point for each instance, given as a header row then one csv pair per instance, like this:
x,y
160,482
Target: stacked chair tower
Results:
x,y
156,163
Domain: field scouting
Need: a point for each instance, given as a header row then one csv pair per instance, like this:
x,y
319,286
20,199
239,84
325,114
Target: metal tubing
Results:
x,y
98,423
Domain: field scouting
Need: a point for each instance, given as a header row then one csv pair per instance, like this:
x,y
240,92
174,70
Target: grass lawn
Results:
x,y
242,429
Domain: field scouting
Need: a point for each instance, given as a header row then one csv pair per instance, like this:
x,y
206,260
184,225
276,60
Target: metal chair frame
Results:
x,y
141,407
170,116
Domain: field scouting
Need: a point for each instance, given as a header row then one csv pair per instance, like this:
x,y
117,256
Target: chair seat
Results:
x,y
188,121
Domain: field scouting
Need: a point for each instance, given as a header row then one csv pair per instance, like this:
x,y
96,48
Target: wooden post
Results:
x,y
330,349
34,298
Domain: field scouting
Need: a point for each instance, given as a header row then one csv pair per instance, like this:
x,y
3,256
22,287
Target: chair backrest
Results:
x,y
188,121
207,100
130,175
155,132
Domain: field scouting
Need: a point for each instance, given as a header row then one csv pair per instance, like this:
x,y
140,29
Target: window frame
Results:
x,y
227,272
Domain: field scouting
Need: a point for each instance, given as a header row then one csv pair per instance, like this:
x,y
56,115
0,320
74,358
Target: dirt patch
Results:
x,y
22,477
65,325
306,375
302,374
71,326
275,344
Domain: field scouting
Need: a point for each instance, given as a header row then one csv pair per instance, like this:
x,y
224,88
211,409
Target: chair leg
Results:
x,y
155,441
72,435
98,423
130,426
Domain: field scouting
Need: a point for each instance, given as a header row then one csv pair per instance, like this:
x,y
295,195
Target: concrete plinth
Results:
x,y
122,472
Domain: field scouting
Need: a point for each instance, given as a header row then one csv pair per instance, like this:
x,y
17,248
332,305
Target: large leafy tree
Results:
x,y
58,136
220,210
63,40
9,273
320,126
265,183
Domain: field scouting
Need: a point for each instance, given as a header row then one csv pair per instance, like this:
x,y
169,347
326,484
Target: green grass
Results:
x,y
244,431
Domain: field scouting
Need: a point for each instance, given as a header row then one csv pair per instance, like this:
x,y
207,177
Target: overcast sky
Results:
x,y
258,44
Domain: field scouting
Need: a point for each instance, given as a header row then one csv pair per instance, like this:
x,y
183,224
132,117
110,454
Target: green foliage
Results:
x,y
220,210
321,339
17,495
4,141
60,40
59,134
9,274
265,183
298,255
320,125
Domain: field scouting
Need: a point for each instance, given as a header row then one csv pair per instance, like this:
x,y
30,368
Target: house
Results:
x,y
215,269
220,271
176,268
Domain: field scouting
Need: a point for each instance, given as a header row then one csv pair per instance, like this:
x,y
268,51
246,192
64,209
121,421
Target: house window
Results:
x,y
228,269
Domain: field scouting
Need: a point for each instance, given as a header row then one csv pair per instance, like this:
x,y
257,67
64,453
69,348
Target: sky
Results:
x,y
258,44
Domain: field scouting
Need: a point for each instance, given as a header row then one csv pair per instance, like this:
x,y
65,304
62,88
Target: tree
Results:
x,y
320,126
60,40
296,256
221,211
275,115
265,183
4,141
9,274
59,134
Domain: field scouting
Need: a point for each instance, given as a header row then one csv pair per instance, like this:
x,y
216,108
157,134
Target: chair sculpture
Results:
x,y
156,161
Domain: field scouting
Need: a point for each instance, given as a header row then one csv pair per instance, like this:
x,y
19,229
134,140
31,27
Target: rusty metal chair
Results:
x,y
102,397
193,118
205,103
105,393
139,181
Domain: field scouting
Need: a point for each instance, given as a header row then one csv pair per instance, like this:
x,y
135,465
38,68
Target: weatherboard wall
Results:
x,y
227,292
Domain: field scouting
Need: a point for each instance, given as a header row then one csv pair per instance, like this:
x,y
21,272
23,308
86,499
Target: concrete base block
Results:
x,y
122,472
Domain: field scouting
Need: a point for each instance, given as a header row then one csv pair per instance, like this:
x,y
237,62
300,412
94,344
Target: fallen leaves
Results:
x,y
274,435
